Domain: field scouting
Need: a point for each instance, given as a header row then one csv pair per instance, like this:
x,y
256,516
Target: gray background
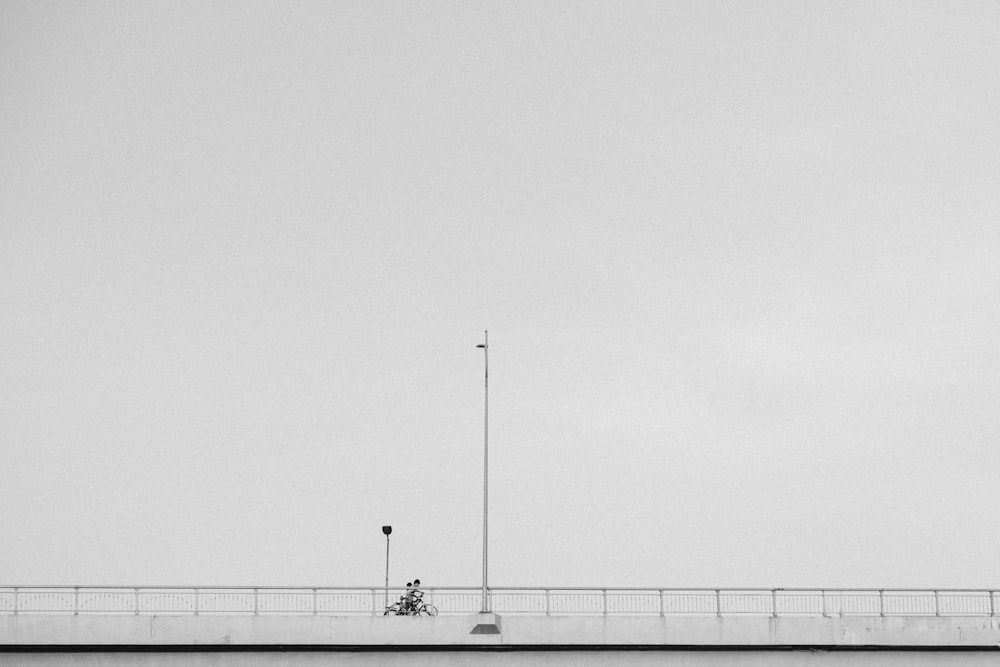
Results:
x,y
739,262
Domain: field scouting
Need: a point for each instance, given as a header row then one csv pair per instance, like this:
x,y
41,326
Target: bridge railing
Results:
x,y
367,601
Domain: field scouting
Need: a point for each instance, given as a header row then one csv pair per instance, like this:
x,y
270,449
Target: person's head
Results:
x,y
416,582
408,584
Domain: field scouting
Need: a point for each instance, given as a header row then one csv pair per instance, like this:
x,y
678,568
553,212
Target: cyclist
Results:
x,y
404,599
408,599
416,596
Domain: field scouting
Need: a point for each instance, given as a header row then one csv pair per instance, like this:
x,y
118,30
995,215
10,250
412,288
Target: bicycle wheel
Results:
x,y
392,610
430,610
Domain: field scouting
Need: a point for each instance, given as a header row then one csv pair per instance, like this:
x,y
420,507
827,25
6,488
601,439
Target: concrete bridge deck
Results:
x,y
71,628
512,631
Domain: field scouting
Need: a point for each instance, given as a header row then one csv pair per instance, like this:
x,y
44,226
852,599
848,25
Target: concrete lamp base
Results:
x,y
486,624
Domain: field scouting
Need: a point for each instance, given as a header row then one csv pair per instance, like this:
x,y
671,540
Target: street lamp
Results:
x,y
486,462
386,530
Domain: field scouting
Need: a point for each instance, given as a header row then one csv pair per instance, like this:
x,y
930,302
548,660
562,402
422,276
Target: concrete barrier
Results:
x,y
514,631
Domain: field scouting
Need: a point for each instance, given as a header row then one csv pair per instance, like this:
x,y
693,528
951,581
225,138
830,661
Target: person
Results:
x,y
404,599
408,598
416,595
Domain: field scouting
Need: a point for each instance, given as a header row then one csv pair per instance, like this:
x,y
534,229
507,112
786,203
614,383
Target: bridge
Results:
x,y
227,625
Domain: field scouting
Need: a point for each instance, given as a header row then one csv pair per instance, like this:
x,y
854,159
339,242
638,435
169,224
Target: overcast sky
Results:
x,y
739,261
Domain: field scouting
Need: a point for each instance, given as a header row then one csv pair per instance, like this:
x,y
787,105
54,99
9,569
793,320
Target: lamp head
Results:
x,y
386,530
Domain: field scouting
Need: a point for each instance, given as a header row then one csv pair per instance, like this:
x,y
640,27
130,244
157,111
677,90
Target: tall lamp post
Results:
x,y
386,530
486,462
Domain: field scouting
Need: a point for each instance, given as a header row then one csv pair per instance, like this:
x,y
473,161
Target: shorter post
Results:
x,y
255,602
823,595
387,531
774,602
137,602
76,600
314,602
548,607
881,602
937,603
662,612
718,603
196,602
604,601
15,600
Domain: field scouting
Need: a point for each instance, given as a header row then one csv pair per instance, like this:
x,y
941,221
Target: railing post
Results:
x,y
375,603
718,603
604,601
993,609
76,600
314,602
823,596
137,602
15,600
548,604
881,602
774,602
196,602
937,603
662,613
255,607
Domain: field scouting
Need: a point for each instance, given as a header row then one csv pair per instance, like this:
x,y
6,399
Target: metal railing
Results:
x,y
368,601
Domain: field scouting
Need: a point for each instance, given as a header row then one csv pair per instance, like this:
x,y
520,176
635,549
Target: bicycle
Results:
x,y
415,608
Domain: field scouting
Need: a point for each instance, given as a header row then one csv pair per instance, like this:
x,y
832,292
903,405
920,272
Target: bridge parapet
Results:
x,y
352,616
370,601
27,630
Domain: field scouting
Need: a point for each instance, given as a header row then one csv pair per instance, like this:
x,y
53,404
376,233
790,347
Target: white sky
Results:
x,y
740,263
